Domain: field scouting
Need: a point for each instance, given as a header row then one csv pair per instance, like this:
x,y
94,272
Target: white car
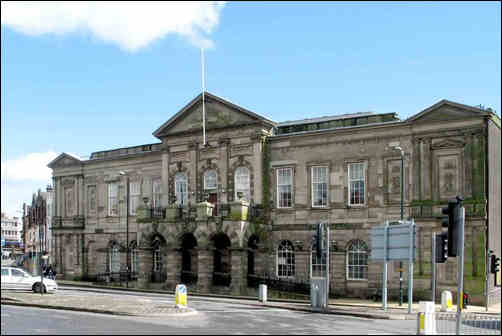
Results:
x,y
18,279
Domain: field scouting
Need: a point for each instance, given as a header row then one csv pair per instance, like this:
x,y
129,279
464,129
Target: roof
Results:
x,y
159,132
323,119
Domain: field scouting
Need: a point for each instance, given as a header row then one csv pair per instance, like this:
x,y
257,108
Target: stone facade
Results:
x,y
343,170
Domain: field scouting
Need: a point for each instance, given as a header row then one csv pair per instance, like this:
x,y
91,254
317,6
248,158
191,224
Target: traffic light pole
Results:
x,y
460,255
487,272
433,268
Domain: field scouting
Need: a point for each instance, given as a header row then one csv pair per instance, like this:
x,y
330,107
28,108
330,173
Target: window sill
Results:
x,y
357,280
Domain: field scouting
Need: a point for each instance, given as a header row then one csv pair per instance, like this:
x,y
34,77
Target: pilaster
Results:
x,y
238,271
174,268
144,267
205,269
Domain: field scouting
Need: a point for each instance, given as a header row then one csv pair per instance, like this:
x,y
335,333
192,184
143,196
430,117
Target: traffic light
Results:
x,y
441,247
452,223
494,264
318,239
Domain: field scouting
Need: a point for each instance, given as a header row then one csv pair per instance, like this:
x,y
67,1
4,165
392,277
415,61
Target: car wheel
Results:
x,y
37,288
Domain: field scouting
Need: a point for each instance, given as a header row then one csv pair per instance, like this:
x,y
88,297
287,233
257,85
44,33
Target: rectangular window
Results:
x,y
357,183
319,186
113,204
134,195
284,187
156,192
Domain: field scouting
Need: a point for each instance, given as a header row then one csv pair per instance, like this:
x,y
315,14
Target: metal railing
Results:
x,y
189,277
221,279
189,212
159,277
158,212
121,276
284,285
472,323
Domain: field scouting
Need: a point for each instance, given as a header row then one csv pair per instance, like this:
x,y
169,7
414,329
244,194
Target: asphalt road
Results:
x,y
215,316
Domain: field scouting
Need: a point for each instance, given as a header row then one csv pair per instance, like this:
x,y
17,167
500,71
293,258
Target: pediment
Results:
x,y
64,160
219,113
448,111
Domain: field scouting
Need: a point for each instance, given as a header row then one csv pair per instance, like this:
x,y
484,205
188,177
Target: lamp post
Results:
x,y
402,217
127,226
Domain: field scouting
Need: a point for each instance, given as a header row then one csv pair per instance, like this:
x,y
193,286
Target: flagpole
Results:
x,y
203,106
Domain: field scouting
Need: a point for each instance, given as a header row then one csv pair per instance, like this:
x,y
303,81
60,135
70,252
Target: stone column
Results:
x,y
205,269
238,286
173,268
165,178
144,267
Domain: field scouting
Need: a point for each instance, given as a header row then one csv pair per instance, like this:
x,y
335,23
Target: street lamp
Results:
x,y
127,226
402,216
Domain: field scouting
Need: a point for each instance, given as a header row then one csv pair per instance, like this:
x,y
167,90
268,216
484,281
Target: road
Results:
x,y
215,316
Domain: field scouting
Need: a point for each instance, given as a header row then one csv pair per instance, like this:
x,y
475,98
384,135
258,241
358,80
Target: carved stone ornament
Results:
x,y
448,143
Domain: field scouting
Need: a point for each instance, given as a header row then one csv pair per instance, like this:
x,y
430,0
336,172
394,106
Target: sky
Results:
x,y
80,77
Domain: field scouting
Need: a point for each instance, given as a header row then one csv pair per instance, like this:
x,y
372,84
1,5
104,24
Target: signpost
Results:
x,y
395,242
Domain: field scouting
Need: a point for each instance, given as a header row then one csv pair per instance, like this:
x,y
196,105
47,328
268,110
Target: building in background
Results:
x,y
12,234
38,234
187,199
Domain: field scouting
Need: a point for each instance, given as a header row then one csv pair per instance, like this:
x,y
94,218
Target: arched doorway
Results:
x,y
158,249
189,259
221,260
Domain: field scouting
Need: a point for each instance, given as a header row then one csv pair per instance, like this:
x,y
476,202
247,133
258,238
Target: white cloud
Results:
x,y
132,25
21,177
32,167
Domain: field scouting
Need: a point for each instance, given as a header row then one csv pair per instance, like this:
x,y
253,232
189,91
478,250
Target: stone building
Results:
x,y
37,222
243,206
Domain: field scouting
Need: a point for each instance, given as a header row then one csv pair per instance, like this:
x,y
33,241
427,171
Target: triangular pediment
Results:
x,y
65,160
219,113
446,110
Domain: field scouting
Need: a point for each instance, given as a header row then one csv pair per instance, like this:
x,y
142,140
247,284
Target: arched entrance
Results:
x,y
159,245
221,260
189,259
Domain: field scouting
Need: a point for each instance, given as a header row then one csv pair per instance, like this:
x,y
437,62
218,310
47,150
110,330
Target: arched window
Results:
x,y
242,183
357,260
133,254
114,258
181,188
157,255
210,180
285,259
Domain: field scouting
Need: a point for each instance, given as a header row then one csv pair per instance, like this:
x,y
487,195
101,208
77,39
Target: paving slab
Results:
x,y
132,306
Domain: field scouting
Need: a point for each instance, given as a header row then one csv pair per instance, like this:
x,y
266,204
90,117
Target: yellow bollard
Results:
x,y
181,295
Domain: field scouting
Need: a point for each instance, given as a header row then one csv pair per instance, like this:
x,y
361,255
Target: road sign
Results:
x,y
398,242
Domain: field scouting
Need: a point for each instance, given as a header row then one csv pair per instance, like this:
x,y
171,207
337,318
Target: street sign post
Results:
x,y
395,242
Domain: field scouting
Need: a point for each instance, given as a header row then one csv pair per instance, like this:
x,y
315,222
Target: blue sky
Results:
x,y
80,78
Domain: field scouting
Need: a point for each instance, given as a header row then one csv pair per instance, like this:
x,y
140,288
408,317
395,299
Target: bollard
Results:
x,y
427,318
263,293
446,301
181,295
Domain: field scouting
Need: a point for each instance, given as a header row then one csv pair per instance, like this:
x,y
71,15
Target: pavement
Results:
x,y
145,306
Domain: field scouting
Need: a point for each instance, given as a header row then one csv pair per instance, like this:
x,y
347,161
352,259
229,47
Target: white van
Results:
x,y
18,279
